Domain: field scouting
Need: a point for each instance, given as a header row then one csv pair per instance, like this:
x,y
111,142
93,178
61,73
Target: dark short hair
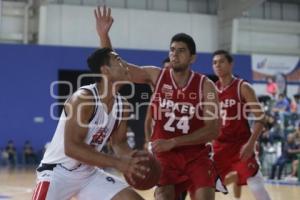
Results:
x,y
187,39
97,59
225,53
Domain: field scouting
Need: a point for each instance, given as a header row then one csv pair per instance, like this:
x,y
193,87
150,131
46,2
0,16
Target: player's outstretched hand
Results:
x,y
104,19
131,165
162,145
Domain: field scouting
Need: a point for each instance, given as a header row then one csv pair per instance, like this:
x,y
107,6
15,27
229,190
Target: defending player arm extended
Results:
x,y
104,21
210,115
255,108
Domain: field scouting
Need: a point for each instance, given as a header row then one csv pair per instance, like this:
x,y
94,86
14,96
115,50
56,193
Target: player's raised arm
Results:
x,y
255,108
104,21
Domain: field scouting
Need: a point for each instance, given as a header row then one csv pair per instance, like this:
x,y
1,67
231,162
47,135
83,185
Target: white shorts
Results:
x,y
88,184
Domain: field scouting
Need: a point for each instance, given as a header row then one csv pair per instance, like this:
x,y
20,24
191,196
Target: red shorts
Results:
x,y
227,159
187,170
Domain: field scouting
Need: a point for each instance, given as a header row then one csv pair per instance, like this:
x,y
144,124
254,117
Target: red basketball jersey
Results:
x,y
177,111
234,124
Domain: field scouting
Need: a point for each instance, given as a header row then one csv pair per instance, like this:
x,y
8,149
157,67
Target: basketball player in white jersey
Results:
x,y
91,116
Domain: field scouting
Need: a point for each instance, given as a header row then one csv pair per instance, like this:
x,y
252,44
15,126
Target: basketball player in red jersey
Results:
x,y
180,103
235,146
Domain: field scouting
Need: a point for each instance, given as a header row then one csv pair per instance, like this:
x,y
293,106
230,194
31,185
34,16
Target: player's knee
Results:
x,y
204,194
164,193
127,194
231,177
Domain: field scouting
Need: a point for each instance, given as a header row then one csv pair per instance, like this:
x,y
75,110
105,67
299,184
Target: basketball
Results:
x,y
151,177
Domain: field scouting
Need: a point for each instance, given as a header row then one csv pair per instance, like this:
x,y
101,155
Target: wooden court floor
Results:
x,y
19,184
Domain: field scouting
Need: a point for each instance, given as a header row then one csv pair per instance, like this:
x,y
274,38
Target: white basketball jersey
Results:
x,y
100,127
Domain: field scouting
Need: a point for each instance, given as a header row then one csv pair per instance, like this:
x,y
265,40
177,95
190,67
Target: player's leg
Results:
x,y
166,192
204,194
127,194
203,176
256,186
105,186
295,165
237,191
50,182
231,177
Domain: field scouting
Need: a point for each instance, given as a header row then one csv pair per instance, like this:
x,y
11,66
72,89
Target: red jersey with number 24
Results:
x,y
177,110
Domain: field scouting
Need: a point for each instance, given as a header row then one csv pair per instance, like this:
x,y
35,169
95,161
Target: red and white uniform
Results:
x,y
234,133
176,112
62,177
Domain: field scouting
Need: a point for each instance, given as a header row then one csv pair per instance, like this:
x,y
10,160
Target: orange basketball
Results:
x,y
151,177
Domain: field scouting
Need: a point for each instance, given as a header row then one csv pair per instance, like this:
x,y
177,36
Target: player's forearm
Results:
x,y
206,134
122,149
105,41
88,155
257,129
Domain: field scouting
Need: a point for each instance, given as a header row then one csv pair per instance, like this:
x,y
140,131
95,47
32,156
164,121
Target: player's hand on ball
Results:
x,y
131,166
162,145
148,175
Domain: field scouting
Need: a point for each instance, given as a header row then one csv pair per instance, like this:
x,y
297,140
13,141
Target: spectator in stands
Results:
x,y
12,153
272,87
297,134
29,156
288,155
4,157
130,138
281,108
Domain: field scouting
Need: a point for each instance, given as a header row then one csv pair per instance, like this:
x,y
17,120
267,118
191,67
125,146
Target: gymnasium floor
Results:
x,y
18,185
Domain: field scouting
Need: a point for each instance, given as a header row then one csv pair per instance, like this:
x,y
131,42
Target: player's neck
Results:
x,y
181,78
105,92
226,80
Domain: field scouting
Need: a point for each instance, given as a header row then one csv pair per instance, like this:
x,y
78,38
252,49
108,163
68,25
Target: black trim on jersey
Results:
x,y
79,165
44,167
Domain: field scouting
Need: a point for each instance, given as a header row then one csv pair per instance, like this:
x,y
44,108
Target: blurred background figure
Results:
x,y
271,87
130,138
288,155
29,156
11,152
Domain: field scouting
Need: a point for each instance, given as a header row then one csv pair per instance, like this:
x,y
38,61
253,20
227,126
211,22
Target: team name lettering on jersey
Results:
x,y
227,103
183,108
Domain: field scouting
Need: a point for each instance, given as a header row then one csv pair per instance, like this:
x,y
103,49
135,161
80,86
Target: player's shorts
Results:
x,y
55,182
187,171
227,159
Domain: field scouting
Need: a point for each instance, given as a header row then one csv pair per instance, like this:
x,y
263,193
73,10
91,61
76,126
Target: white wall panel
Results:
x,y
159,4
275,11
138,29
137,4
268,36
291,12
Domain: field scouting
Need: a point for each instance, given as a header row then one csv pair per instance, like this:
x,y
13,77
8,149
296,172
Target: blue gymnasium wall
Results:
x,y
28,70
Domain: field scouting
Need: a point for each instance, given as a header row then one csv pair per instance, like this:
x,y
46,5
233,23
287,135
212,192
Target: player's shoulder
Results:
x,y
81,96
245,85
